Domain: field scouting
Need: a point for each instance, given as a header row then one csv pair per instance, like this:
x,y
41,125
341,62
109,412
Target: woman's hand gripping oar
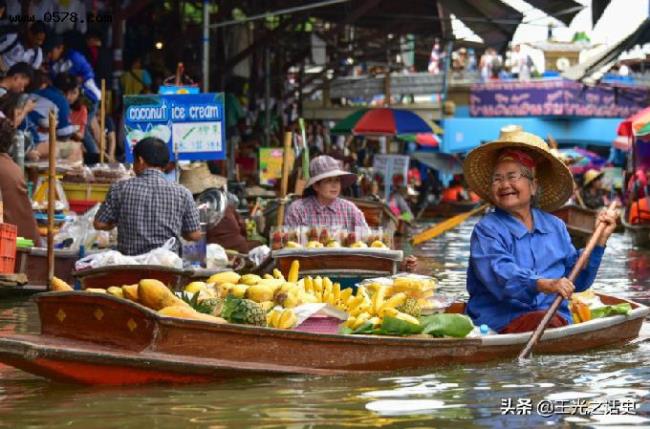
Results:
x,y
582,260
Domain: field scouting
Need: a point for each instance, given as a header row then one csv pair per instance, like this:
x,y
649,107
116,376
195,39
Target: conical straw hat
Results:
x,y
552,175
197,178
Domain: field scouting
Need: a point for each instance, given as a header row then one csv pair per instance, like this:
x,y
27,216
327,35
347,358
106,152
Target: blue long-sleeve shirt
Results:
x,y
506,260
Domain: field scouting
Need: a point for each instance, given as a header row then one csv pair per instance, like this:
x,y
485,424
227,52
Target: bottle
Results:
x,y
484,329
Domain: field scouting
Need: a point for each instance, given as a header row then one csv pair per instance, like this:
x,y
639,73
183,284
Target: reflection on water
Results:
x,y
455,396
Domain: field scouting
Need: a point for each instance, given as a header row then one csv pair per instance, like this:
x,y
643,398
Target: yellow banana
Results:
x,y
350,322
327,290
361,319
376,321
287,319
309,284
364,307
272,318
268,276
378,300
292,276
407,318
346,294
278,274
394,301
318,286
336,293
390,312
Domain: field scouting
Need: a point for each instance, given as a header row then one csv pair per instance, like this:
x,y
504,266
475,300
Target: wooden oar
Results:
x,y
286,169
577,268
51,196
445,226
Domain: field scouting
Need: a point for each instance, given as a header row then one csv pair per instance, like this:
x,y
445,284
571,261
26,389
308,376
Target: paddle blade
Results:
x,y
445,226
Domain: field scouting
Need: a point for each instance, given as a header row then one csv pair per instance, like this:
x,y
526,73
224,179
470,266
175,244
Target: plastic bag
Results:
x,y
162,255
215,257
259,254
104,259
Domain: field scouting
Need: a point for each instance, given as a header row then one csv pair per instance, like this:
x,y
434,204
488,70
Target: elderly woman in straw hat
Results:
x,y
321,204
520,255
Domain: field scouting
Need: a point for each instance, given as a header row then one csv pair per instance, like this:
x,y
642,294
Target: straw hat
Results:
x,y
197,178
591,175
323,167
552,175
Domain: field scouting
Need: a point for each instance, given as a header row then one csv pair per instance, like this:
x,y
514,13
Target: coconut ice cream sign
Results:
x,y
192,125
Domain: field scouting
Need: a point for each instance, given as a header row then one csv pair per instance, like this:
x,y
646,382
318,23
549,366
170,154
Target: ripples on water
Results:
x,y
468,397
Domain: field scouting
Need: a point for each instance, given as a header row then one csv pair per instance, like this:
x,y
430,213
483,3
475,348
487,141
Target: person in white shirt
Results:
x,y
23,47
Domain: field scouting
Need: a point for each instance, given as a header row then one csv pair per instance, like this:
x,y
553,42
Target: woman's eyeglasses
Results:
x,y
512,177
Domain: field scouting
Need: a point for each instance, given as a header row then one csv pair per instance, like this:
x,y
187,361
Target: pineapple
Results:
x,y
411,307
244,311
211,306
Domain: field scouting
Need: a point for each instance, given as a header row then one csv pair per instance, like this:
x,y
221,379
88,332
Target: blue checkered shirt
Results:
x,y
148,210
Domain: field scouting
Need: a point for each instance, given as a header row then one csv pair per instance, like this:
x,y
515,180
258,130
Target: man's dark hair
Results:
x,y
21,68
153,151
38,27
65,82
7,133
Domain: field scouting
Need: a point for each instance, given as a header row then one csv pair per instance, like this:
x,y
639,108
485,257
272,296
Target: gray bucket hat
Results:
x,y
324,167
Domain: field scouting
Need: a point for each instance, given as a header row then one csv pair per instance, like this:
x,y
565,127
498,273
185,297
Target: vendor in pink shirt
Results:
x,y
321,204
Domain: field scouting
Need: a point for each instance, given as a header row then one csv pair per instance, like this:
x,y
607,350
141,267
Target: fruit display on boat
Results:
x,y
317,237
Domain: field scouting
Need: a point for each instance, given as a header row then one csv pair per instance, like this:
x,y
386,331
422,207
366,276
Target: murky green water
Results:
x,y
470,396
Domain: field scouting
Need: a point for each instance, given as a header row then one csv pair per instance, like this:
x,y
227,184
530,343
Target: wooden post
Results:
x,y
102,123
51,197
286,169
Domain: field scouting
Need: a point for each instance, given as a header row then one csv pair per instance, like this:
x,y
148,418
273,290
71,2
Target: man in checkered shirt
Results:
x,y
148,209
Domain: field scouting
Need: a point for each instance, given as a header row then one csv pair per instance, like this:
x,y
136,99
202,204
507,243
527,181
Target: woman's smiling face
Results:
x,y
512,188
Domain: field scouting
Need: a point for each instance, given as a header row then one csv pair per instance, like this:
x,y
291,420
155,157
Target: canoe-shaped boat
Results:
x,y
33,263
347,266
640,232
376,213
93,338
446,209
580,222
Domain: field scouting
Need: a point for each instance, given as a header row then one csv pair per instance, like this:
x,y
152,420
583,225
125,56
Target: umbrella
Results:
x,y
423,139
383,122
637,125
581,160
441,162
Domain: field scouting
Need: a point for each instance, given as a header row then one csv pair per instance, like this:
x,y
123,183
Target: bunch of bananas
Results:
x,y
414,287
281,319
372,304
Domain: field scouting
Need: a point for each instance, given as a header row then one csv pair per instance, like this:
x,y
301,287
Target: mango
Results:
x,y
260,293
115,291
292,245
238,290
95,290
378,244
314,245
358,245
224,277
250,279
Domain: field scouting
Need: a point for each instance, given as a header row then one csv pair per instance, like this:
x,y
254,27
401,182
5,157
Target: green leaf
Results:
x,y
365,328
597,313
344,330
622,308
611,310
447,324
395,326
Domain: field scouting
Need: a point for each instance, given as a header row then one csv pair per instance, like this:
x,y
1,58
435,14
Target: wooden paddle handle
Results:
x,y
288,138
582,260
51,196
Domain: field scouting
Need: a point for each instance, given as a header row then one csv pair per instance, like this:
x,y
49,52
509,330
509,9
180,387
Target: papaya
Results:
x,y
155,295
115,291
185,312
58,285
96,290
130,292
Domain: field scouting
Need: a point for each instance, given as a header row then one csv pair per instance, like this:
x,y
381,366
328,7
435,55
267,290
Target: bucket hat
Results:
x,y
324,167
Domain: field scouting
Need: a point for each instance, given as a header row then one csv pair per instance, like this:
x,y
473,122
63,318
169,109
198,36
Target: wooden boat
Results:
x,y
33,263
118,275
93,338
446,209
376,213
344,265
580,222
640,232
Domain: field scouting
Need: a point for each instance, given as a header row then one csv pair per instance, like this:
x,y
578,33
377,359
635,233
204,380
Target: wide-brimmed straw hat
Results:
x,y
197,178
324,167
591,175
552,175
